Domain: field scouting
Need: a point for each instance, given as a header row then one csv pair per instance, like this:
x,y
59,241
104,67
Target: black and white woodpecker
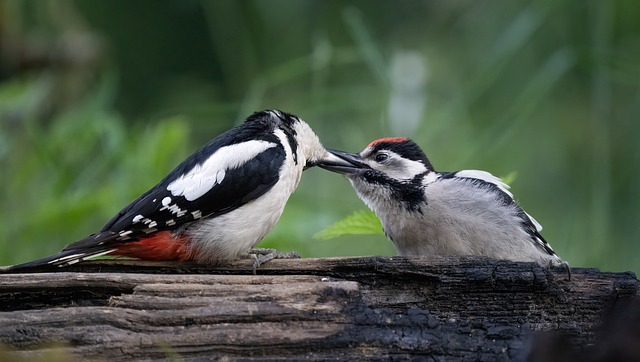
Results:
x,y
425,212
217,204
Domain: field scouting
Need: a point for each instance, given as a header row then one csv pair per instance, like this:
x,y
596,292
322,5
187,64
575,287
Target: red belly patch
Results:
x,y
159,246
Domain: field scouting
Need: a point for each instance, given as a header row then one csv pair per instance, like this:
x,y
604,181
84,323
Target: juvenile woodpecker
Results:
x,y
214,206
425,212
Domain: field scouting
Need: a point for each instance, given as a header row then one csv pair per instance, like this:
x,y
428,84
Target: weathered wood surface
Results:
x,y
376,308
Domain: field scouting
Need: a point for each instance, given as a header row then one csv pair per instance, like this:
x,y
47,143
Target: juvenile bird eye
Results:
x,y
381,157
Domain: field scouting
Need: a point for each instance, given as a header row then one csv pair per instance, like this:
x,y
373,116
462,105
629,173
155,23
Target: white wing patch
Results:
x,y
205,176
487,177
404,170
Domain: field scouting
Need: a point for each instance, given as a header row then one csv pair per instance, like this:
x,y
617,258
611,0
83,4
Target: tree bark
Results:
x,y
373,308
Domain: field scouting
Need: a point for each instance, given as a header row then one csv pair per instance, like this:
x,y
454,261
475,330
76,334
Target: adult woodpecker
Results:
x,y
425,212
217,204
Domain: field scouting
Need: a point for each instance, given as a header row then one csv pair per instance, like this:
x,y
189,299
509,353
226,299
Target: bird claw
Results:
x,y
263,255
566,266
563,265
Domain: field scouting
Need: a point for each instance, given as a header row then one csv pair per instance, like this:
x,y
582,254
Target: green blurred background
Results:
x,y
100,99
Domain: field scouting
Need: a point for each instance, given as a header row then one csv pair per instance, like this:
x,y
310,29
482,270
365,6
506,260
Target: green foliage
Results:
x,y
72,174
97,103
361,222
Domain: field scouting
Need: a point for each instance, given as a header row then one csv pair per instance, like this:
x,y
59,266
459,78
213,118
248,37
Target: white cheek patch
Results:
x,y
429,178
205,176
414,168
285,143
405,170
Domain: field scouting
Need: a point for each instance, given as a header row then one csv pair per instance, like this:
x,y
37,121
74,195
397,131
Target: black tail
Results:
x,y
61,259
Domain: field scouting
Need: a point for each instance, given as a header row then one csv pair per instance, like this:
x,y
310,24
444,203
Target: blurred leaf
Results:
x,y
361,222
510,178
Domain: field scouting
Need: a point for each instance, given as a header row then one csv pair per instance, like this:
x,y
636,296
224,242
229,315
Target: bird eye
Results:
x,y
381,157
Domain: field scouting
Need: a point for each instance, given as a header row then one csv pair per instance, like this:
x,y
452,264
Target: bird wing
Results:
x,y
530,225
486,177
218,185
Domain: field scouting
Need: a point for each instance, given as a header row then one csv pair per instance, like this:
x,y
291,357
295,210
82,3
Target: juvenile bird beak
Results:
x,y
343,162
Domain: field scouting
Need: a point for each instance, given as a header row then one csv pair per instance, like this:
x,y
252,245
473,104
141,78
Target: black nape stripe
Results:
x,y
287,126
410,193
284,121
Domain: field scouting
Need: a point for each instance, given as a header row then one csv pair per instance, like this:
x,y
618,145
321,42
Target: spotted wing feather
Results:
x,y
159,210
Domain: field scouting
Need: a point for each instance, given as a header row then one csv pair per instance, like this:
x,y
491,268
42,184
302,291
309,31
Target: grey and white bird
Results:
x,y
217,204
425,212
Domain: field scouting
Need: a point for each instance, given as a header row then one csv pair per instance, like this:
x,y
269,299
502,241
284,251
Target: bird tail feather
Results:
x,y
61,259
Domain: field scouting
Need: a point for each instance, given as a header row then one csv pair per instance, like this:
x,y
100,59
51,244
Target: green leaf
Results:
x,y
361,222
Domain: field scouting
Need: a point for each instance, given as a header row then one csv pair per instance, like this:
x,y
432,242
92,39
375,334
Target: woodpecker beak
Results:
x,y
343,162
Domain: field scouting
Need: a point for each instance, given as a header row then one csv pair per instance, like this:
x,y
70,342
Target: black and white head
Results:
x,y
292,131
387,169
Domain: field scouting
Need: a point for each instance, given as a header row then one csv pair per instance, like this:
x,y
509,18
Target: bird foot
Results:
x,y
263,255
563,264
566,266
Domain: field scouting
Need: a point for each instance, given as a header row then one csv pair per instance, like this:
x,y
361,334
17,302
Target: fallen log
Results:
x,y
376,308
